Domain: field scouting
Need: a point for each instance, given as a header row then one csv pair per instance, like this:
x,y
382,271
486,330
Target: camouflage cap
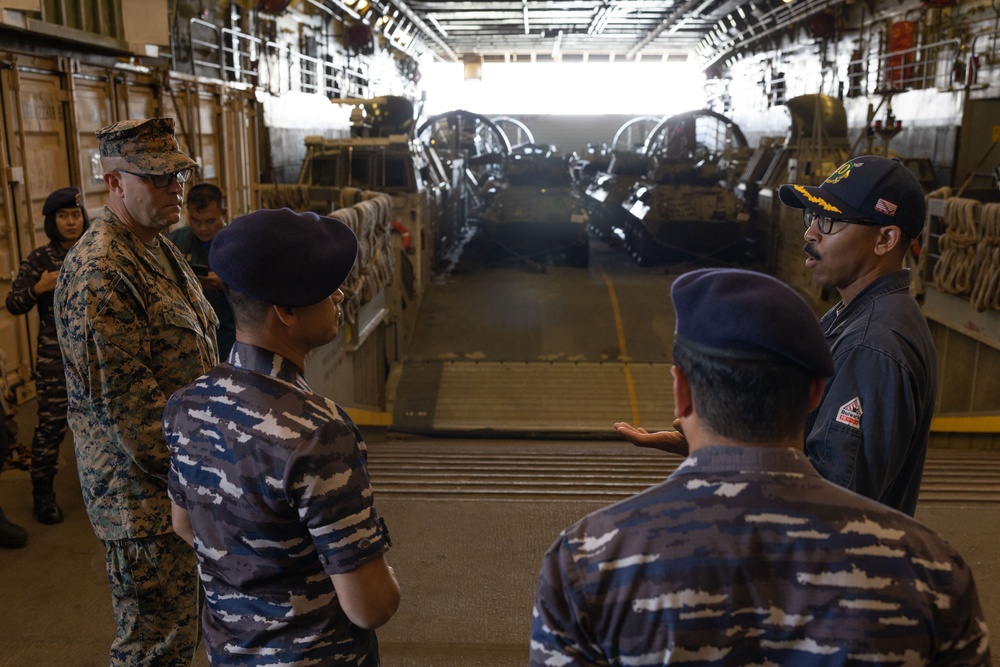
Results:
x,y
144,146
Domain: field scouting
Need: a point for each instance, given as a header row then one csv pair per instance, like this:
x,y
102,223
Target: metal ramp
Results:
x,y
531,399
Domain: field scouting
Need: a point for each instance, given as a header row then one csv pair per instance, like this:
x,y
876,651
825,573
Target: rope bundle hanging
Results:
x,y
284,195
368,214
956,269
986,290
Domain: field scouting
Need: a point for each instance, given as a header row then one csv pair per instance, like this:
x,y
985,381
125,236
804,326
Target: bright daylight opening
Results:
x,y
657,89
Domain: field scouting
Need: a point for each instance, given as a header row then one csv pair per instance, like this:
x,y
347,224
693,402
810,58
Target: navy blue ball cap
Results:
x,y
745,315
869,187
284,258
62,198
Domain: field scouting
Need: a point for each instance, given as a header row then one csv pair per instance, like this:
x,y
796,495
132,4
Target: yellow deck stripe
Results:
x,y
369,417
620,328
985,424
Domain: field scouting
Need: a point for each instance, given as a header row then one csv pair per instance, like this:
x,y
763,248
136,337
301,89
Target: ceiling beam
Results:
x,y
424,29
671,22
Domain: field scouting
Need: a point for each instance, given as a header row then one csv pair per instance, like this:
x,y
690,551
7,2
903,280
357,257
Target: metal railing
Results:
x,y
236,56
917,68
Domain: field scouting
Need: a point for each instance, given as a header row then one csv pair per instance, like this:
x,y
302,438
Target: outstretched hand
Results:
x,y
673,442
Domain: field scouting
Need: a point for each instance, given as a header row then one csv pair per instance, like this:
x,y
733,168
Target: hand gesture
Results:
x,y
672,442
46,283
211,282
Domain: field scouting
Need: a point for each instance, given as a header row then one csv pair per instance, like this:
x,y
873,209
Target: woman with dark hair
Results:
x,y
65,222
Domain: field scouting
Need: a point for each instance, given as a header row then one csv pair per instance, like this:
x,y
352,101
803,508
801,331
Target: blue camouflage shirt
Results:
x,y
275,481
20,299
745,555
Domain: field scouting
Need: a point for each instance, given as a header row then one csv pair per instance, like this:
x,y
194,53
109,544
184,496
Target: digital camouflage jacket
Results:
x,y
130,336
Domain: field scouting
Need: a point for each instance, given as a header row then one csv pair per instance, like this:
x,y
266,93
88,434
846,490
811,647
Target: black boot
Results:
x,y
46,509
12,536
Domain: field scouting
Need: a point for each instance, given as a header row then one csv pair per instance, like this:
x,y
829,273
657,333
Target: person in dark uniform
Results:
x,y
871,430
269,480
745,554
207,215
65,222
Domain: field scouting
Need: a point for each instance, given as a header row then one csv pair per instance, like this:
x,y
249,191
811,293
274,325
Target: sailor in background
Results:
x,y
65,221
207,215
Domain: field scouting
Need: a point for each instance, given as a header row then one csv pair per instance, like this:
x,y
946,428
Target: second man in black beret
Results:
x,y
258,457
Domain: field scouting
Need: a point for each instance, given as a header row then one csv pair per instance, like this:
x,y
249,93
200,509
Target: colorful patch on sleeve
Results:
x,y
850,413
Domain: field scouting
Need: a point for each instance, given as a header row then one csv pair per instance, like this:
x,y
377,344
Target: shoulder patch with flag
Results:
x,y
850,413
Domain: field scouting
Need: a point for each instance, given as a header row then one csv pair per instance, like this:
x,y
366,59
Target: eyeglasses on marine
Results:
x,y
164,180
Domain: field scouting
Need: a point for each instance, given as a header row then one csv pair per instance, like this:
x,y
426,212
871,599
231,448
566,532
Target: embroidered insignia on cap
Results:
x,y
885,207
843,172
827,206
850,413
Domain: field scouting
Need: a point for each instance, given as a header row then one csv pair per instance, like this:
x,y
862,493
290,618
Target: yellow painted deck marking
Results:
x,y
620,328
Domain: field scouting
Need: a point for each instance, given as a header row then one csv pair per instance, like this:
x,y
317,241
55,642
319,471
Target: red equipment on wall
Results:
x,y
899,64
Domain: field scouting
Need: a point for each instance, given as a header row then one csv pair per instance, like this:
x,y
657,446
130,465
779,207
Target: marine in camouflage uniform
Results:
x,y
268,479
134,327
32,287
745,555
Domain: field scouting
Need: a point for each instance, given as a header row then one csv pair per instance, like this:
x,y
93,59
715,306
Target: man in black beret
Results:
x,y
65,221
258,459
745,554
870,431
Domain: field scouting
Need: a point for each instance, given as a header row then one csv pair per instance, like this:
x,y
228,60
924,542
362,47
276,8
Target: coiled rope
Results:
x,y
956,268
986,289
368,213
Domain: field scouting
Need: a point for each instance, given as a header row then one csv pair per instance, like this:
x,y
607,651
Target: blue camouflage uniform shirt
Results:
x,y
130,337
745,555
274,479
871,429
20,300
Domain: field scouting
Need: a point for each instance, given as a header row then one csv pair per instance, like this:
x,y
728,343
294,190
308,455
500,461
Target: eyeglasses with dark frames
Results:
x,y
164,180
825,223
